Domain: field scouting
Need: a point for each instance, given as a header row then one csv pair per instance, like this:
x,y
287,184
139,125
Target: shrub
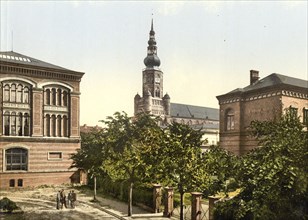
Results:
x,y
7,205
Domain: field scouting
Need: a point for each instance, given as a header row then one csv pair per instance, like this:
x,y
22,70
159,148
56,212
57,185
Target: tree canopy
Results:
x,y
273,177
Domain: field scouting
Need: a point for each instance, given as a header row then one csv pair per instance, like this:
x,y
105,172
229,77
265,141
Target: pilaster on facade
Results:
x,y
37,109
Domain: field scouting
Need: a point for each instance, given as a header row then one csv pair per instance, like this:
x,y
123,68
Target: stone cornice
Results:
x,y
254,96
47,73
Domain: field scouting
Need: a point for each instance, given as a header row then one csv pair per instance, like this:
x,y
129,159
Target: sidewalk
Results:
x,y
119,209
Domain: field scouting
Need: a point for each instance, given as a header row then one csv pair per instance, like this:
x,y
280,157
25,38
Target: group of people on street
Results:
x,y
66,202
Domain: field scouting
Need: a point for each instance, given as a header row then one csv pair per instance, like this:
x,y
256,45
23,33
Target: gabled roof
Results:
x,y
271,81
13,57
191,111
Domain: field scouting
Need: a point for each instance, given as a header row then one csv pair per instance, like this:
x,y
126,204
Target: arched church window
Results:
x,y
157,93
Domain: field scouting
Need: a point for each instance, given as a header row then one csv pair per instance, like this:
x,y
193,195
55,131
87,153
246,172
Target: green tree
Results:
x,y
90,157
134,145
182,159
221,167
274,177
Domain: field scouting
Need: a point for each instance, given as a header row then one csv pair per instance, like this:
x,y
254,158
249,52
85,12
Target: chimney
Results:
x,y
254,76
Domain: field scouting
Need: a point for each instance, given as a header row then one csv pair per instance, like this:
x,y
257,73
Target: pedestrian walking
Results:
x,y
63,199
73,199
58,199
69,199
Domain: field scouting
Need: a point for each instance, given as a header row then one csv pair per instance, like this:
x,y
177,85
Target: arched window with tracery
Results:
x,y
229,120
157,93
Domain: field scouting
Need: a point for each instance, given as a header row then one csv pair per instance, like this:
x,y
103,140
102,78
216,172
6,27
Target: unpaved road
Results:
x,y
40,204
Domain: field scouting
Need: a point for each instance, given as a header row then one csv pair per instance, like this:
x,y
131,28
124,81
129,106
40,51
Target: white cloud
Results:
x,y
170,7
294,4
212,6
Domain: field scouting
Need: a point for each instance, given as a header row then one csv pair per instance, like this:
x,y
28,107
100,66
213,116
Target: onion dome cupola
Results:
x,y
152,59
166,96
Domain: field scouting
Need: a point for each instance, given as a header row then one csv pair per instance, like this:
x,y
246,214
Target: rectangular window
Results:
x,y
19,182
230,122
293,111
305,117
12,183
16,159
54,155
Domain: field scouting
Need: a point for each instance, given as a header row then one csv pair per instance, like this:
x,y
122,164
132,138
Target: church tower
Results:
x,y
152,100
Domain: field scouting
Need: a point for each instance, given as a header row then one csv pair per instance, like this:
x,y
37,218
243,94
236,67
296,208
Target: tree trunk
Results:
x,y
130,199
94,188
181,205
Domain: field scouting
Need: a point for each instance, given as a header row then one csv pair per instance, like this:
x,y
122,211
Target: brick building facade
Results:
x,y
264,99
153,100
39,123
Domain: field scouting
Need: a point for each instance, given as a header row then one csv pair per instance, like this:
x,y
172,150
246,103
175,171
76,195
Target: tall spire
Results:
x,y
152,25
152,59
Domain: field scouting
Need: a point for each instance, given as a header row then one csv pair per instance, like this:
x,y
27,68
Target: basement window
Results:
x,y
20,182
12,183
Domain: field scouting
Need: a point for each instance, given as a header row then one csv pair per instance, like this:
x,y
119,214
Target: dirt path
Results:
x,y
40,204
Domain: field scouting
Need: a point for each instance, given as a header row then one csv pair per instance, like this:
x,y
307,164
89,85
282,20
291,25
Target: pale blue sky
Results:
x,y
206,48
